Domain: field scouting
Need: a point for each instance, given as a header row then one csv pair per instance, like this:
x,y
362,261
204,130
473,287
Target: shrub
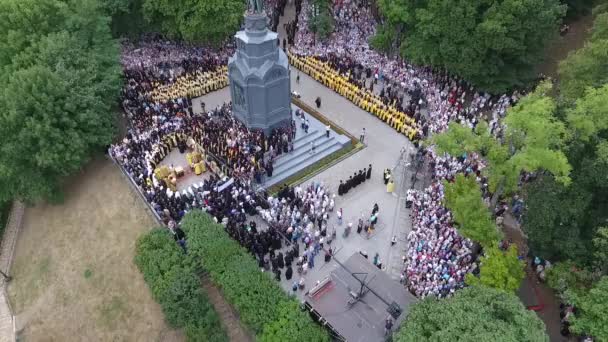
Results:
x,y
262,305
171,277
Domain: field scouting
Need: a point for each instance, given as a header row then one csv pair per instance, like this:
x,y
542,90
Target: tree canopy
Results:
x,y
588,66
561,221
533,141
61,77
472,217
209,21
499,270
472,314
592,306
493,44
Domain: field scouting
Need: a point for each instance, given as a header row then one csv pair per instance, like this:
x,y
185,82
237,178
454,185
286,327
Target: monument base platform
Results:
x,y
302,157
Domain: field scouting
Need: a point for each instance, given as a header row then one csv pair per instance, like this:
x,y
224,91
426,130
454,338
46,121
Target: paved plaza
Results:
x,y
383,150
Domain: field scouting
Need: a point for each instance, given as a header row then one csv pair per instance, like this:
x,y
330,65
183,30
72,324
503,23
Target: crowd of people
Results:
x,y
432,98
161,78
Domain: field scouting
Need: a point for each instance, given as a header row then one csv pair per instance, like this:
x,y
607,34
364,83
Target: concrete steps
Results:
x,y
301,147
301,157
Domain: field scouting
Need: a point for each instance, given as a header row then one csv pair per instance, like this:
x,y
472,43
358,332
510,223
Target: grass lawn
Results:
x,y
73,273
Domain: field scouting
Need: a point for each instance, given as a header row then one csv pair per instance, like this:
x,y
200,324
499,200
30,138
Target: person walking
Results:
x,y
327,130
318,102
362,136
298,77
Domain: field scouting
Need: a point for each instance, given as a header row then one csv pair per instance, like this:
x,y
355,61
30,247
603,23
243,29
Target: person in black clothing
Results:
x,y
179,236
280,261
341,188
288,273
318,102
369,172
277,274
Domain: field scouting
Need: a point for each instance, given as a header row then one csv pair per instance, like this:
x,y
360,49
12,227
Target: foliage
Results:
x,y
566,277
463,198
592,306
321,20
473,314
590,115
532,141
560,222
383,40
554,220
173,282
493,44
5,210
127,17
578,8
209,21
259,300
499,270
600,246
61,77
587,66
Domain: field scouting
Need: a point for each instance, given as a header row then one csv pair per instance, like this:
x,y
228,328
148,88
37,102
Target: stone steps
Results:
x,y
295,162
301,147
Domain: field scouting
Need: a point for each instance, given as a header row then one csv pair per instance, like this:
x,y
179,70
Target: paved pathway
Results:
x,y
7,320
383,146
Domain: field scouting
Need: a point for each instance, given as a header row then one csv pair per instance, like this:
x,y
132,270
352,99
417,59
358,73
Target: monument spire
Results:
x,y
259,74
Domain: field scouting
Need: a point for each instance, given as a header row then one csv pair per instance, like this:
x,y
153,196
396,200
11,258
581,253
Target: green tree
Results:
x,y
127,17
321,20
494,44
592,306
61,77
578,8
587,66
473,314
532,141
561,221
553,220
473,220
567,278
600,244
499,270
209,21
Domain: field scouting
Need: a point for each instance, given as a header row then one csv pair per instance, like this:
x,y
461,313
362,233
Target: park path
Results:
x,y
7,247
230,321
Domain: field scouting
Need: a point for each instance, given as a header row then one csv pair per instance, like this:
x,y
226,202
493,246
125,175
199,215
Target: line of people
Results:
x,y
353,181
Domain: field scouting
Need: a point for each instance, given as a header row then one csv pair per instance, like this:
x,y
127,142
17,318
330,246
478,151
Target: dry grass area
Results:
x,y
74,276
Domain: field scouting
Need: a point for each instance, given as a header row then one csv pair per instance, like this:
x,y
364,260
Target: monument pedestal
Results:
x,y
259,77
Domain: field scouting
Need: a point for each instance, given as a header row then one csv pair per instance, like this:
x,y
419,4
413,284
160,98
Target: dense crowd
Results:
x,y
156,126
161,77
411,89
437,258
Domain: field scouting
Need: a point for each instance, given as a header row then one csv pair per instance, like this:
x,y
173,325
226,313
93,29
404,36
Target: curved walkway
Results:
x,y
11,231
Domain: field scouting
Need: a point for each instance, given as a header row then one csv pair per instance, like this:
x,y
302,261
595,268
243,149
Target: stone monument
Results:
x,y
259,74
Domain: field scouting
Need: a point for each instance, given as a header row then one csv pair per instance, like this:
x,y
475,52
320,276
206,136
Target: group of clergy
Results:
x,y
354,180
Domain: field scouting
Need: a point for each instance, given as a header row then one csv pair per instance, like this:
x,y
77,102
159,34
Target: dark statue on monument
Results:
x,y
256,6
259,74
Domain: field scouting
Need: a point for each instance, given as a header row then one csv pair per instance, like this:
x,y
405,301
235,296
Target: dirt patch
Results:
x,y
228,316
74,276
